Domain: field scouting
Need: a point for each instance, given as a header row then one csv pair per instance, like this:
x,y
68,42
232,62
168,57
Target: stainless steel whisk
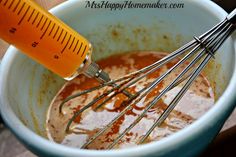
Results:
x,y
201,49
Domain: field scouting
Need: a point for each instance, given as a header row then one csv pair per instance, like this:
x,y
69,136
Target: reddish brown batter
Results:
x,y
198,99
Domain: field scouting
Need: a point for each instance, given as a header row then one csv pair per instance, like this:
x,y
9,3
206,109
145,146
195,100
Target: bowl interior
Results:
x,y
30,87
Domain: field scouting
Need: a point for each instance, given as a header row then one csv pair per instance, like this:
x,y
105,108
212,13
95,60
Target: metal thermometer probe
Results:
x,y
47,40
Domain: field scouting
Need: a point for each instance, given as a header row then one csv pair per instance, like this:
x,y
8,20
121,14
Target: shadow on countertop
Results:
x,y
228,5
223,145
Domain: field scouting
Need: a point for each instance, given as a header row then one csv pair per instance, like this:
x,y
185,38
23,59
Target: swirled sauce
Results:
x,y
198,99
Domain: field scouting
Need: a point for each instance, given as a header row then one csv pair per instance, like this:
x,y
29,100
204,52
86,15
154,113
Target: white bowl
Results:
x,y
27,88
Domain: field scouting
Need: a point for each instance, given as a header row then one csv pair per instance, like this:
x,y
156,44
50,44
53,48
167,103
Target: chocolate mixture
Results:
x,y
198,99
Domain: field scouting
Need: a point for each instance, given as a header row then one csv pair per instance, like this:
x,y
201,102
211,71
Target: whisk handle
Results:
x,y
232,17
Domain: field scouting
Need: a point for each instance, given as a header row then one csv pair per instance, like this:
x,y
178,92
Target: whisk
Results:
x,y
200,50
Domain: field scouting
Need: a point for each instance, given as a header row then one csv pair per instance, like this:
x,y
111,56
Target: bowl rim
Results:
x,y
35,141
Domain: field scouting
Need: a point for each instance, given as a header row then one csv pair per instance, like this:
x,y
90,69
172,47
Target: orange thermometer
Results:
x,y
46,39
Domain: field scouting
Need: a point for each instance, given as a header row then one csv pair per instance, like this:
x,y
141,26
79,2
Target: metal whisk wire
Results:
x,y
204,45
